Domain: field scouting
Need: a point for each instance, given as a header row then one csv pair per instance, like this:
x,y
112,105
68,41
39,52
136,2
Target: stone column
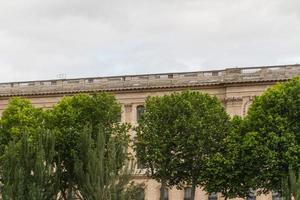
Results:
x,y
152,190
175,194
201,194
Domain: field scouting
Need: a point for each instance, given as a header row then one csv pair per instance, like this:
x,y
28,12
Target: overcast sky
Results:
x,y
40,39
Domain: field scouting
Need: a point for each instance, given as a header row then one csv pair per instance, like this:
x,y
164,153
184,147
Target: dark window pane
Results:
x,y
212,196
187,193
141,194
251,195
276,196
166,194
140,165
119,117
139,112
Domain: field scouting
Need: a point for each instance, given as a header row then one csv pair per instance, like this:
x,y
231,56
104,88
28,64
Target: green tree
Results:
x,y
234,169
28,171
274,119
97,167
178,134
134,191
294,184
69,117
20,116
260,149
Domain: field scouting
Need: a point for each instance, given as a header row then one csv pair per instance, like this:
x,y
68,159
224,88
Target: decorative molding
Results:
x,y
151,81
247,103
233,99
128,108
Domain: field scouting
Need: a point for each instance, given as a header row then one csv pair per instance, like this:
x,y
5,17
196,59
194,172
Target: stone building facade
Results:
x,y
235,87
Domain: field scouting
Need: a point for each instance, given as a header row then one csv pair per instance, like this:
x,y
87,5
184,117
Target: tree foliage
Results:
x,y
19,117
234,170
69,118
28,171
260,148
178,134
274,118
53,155
97,167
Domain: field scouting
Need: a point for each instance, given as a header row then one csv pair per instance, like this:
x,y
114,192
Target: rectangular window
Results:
x,y
213,196
251,195
166,194
141,194
140,165
187,193
139,112
276,196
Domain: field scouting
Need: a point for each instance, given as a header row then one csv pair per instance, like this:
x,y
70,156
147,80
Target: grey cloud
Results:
x,y
40,39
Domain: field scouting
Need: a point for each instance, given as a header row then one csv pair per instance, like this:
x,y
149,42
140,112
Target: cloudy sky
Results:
x,y
41,39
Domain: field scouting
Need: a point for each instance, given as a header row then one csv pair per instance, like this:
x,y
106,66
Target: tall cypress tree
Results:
x,y
103,168
27,169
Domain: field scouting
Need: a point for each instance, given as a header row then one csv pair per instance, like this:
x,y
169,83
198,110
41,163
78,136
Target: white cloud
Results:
x,y
40,39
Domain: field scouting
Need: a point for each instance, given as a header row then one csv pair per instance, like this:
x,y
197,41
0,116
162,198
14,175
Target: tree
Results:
x,y
294,184
178,134
25,164
53,155
97,167
234,170
260,148
69,118
274,118
27,169
291,186
19,117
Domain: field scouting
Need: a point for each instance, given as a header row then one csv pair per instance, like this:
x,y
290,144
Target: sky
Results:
x,y
82,38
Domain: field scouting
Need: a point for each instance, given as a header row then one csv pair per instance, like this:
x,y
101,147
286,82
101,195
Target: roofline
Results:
x,y
151,74
50,93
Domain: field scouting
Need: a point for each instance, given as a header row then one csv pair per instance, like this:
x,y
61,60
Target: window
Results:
x,y
139,112
141,193
139,164
212,196
251,195
166,194
276,196
119,117
187,193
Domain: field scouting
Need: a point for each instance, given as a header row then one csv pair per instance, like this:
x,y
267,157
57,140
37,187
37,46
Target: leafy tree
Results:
x,y
19,117
225,167
274,119
28,171
233,170
69,118
260,149
134,191
178,134
71,161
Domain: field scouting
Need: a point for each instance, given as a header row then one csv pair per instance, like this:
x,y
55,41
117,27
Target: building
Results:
x,y
235,87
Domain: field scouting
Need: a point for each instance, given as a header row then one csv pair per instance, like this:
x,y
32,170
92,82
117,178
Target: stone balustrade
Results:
x,y
148,81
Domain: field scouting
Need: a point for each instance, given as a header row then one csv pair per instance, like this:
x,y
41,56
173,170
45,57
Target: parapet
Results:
x,y
151,81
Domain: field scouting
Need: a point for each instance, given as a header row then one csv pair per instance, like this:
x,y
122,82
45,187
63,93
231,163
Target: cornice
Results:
x,y
138,83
